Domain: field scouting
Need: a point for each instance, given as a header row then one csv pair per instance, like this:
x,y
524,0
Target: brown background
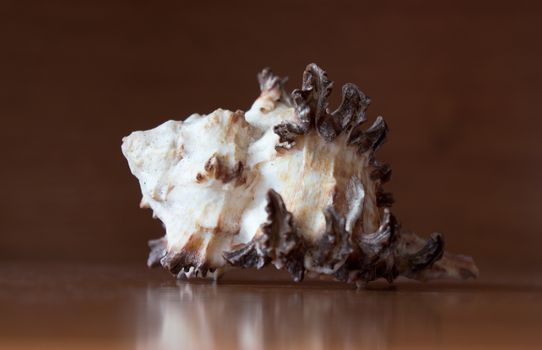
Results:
x,y
459,83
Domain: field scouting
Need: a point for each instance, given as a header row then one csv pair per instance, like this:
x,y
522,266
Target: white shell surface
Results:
x,y
200,210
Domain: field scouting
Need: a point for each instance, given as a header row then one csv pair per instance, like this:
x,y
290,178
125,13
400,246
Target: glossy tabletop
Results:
x,y
66,306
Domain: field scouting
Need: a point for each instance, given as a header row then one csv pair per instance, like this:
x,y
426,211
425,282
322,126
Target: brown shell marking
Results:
x,y
216,168
277,242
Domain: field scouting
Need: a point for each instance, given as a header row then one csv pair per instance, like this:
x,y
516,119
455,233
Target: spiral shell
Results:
x,y
289,182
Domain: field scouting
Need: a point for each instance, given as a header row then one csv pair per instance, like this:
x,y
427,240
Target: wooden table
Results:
x,y
67,306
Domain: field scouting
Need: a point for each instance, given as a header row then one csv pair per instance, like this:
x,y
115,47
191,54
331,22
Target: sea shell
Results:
x,y
289,182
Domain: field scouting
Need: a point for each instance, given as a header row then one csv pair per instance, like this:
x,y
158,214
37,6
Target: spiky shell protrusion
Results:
x,y
289,182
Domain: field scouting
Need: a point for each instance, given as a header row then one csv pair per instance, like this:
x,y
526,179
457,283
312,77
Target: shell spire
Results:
x,y
289,183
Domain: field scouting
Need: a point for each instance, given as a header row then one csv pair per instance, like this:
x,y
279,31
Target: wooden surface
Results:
x,y
54,306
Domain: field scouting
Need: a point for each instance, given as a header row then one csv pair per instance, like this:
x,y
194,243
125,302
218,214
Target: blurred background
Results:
x,y
459,83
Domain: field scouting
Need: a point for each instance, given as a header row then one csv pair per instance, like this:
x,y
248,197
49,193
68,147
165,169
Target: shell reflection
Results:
x,y
206,316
